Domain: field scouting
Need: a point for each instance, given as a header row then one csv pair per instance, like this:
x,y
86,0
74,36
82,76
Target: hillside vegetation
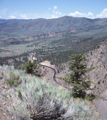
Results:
x,y
35,99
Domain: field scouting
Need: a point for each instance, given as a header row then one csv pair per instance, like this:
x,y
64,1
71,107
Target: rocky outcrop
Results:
x,y
98,58
49,35
13,41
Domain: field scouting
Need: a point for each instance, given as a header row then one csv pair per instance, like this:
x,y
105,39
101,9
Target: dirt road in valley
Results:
x,y
53,69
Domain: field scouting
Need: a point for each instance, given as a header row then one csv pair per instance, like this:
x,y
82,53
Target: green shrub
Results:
x,y
13,76
12,83
20,95
14,79
2,73
30,66
90,97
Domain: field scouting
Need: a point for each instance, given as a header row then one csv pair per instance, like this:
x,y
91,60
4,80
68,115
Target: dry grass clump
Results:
x,y
35,99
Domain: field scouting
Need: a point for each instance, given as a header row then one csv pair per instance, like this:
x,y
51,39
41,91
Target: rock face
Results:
x,y
13,41
98,59
49,35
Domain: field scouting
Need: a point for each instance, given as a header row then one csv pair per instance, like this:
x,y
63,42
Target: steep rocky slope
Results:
x,y
98,58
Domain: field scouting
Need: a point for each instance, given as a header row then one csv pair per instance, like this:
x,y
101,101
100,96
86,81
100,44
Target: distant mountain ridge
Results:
x,y
41,26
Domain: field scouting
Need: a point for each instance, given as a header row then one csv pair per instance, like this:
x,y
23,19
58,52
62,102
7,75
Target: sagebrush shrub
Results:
x,y
37,100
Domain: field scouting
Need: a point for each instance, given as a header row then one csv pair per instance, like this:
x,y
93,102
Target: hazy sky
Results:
x,y
32,9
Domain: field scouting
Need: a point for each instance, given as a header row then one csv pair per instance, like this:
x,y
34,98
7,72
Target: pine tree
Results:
x,y
29,67
78,78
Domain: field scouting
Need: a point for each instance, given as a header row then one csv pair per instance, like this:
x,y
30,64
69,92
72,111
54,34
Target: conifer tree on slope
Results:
x,y
78,79
30,66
